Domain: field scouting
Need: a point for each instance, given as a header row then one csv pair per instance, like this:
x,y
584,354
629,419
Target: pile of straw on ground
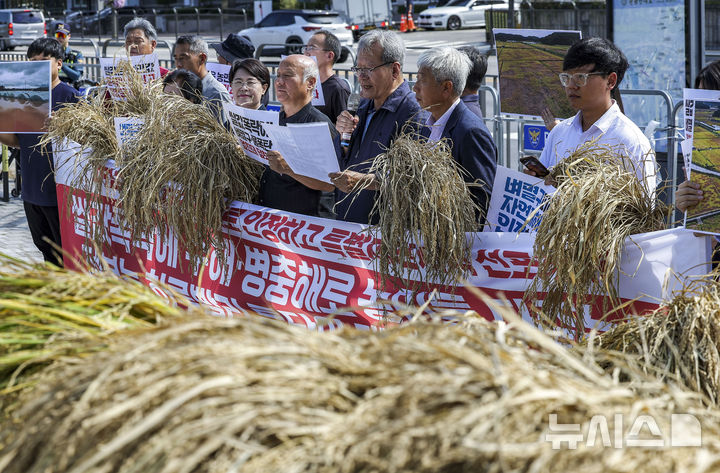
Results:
x,y
424,211
46,313
257,395
599,202
678,342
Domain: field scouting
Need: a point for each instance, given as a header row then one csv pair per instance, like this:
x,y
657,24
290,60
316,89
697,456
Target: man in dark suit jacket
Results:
x,y
440,81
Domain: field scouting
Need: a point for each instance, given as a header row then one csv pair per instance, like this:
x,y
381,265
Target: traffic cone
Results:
x,y
403,24
411,23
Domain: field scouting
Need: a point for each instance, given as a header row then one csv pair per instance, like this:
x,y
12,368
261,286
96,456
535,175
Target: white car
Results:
x,y
458,14
293,28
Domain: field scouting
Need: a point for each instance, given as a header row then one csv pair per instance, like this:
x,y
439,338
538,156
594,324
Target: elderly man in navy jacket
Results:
x,y
440,81
387,106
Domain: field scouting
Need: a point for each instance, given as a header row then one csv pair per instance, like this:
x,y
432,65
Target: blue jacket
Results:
x,y
473,148
385,125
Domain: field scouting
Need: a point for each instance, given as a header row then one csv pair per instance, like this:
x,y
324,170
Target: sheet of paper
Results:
x,y
529,61
249,128
318,99
307,148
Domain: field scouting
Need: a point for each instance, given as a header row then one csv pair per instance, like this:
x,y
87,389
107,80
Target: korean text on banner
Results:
x,y
306,269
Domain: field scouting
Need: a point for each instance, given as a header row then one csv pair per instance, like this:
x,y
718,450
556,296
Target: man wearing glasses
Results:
x,y
592,68
325,47
72,65
388,104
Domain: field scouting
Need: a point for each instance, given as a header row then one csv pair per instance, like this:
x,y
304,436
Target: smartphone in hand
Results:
x,y
534,164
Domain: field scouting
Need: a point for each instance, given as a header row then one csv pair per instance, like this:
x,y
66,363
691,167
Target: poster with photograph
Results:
x,y
24,96
529,62
704,125
248,126
148,66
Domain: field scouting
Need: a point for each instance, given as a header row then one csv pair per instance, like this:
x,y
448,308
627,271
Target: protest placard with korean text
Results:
x,y
221,73
248,125
515,196
147,66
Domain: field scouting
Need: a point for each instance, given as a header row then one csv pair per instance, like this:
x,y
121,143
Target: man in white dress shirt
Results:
x,y
592,68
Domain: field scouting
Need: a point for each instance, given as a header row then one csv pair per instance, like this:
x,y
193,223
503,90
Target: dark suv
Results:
x,y
20,27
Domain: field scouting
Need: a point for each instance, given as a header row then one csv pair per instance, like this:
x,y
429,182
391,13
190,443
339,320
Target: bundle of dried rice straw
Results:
x,y
254,395
180,173
425,212
599,202
679,341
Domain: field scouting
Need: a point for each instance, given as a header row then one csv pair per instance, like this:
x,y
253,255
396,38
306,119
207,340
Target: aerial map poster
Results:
x,y
651,33
529,62
24,96
702,124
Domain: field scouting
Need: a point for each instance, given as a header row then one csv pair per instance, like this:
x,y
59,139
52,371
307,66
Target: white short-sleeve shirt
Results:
x,y
613,129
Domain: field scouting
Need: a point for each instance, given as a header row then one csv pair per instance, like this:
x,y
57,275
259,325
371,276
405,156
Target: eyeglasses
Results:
x,y
312,48
60,35
250,83
366,71
579,78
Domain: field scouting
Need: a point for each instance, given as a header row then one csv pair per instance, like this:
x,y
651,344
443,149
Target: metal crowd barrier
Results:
x,y
669,129
84,42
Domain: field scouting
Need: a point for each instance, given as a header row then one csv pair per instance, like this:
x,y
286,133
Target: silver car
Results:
x,y
459,14
20,27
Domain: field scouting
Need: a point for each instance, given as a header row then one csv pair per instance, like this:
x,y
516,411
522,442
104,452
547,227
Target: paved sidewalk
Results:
x,y
15,239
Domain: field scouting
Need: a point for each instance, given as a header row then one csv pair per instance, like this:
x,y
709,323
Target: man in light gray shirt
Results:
x,y
191,53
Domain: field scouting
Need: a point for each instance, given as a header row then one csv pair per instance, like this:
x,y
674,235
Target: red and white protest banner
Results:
x,y
314,271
